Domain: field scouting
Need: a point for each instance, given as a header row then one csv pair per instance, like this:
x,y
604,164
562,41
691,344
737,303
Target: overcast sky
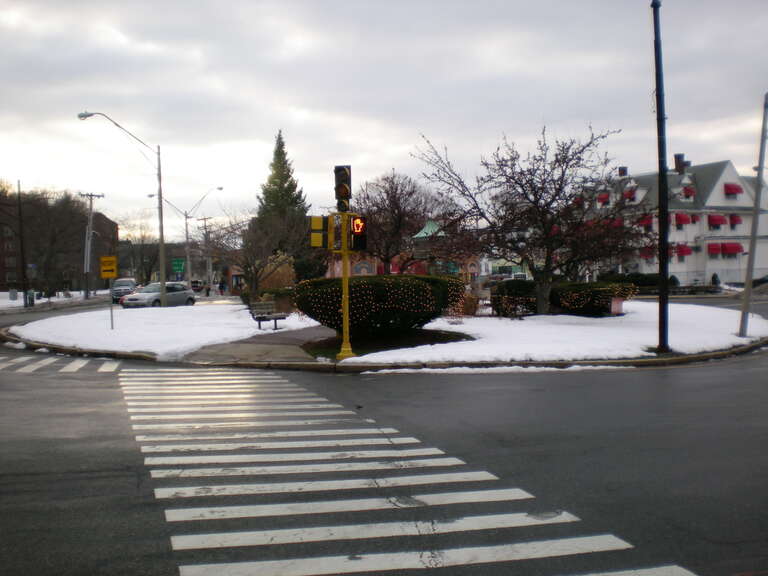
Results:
x,y
357,82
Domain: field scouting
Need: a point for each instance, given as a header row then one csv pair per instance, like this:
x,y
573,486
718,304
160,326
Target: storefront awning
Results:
x,y
735,219
714,249
603,197
683,250
681,219
645,220
717,220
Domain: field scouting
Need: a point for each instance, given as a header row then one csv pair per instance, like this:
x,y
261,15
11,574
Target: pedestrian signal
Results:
x,y
359,230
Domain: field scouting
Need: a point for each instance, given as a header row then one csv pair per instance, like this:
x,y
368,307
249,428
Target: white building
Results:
x,y
710,222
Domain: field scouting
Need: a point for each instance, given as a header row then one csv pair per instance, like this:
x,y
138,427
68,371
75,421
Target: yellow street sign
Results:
x,y
108,266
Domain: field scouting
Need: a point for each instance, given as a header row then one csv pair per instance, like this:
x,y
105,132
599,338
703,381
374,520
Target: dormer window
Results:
x,y
689,192
732,190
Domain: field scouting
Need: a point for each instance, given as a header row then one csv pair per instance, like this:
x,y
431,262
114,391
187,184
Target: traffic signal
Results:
x,y
358,228
343,187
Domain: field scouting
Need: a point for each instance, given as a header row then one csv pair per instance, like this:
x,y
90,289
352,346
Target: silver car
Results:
x,y
177,294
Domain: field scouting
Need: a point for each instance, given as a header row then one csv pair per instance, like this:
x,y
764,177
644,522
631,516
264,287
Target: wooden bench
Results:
x,y
265,311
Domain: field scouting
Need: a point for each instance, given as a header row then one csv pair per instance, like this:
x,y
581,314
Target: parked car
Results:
x,y
121,287
176,293
197,285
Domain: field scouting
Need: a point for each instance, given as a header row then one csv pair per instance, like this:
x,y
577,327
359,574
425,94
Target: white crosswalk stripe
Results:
x,y
299,455
61,364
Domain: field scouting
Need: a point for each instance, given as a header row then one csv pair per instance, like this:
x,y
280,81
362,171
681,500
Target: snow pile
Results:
x,y
170,333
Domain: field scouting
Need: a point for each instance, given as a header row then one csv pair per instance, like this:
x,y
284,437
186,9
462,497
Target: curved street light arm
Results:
x,y
85,115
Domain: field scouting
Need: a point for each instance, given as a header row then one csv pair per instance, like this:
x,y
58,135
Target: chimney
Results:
x,y
680,163
623,171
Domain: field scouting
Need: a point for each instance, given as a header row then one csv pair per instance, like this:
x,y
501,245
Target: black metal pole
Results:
x,y
663,187
22,256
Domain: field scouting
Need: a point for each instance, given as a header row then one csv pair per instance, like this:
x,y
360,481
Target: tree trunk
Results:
x,y
543,290
387,266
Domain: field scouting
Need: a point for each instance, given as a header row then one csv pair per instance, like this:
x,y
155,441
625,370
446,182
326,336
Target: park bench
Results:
x,y
265,311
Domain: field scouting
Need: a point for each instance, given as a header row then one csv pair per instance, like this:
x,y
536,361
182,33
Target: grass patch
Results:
x,y
329,347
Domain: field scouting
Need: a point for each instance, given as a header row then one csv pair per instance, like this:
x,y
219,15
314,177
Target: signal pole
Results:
x,y
88,238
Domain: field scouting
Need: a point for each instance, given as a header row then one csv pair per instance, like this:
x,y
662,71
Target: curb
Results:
x,y
357,368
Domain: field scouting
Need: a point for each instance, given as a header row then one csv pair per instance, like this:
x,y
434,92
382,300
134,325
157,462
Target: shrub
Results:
x,y
379,303
593,299
514,298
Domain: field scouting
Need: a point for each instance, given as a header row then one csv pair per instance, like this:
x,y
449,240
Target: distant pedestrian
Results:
x,y
222,287
207,290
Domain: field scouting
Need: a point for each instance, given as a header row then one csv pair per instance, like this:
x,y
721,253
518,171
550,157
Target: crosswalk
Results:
x,y
260,476
30,363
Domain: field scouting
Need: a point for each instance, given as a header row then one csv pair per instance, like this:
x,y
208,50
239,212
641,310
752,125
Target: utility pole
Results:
x,y
208,263
88,238
661,118
746,296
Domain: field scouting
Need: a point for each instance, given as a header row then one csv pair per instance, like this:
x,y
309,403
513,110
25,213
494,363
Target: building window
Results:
x,y
7,231
10,261
10,276
681,258
9,246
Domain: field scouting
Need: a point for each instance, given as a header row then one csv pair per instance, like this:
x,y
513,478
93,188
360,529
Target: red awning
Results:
x,y
603,197
647,253
695,218
717,220
681,219
732,189
735,219
714,249
617,222
645,220
689,191
630,194
732,248
684,250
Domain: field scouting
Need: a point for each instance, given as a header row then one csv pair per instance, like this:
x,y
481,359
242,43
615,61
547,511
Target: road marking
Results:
x,y
657,571
319,486
15,361
208,388
290,457
262,424
257,435
435,558
203,378
238,406
109,366
306,468
225,371
336,506
212,400
280,445
36,365
238,415
75,365
366,531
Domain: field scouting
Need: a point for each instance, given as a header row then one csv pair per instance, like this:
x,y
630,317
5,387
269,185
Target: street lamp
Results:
x,y
187,214
161,241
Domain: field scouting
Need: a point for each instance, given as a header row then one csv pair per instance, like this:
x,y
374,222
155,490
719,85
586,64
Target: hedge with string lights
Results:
x,y
379,303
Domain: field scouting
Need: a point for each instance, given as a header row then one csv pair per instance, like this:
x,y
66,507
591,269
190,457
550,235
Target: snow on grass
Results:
x,y
170,333
550,338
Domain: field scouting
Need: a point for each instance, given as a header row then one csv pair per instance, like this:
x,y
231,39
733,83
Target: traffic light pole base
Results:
x,y
345,352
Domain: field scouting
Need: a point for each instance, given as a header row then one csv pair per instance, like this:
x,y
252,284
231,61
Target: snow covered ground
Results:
x,y
172,333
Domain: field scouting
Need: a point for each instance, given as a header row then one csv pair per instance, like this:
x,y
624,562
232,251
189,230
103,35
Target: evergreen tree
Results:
x,y
281,192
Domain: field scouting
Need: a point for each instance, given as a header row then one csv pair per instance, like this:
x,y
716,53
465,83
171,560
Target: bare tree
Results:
x,y
398,208
550,211
140,252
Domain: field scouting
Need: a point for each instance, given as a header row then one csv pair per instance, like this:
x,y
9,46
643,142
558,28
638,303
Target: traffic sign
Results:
x,y
108,266
177,265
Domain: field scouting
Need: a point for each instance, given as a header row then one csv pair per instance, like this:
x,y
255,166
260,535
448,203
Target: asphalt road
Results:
x,y
670,460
